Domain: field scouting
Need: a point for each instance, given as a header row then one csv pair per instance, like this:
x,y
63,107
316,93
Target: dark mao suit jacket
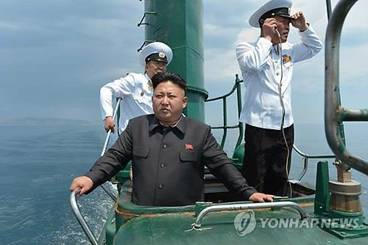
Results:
x,y
168,162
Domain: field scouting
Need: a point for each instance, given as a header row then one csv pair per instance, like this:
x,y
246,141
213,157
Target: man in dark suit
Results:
x,y
168,153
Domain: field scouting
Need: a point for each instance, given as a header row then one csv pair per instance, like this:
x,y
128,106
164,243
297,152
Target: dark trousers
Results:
x,y
266,162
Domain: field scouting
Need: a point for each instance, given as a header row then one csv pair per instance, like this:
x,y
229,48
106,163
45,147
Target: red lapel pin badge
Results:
x,y
188,147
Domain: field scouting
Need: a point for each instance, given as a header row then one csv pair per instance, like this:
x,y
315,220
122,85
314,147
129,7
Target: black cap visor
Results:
x,y
159,57
282,12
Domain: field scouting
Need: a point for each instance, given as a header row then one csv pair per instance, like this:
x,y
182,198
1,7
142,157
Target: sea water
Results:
x,y
38,160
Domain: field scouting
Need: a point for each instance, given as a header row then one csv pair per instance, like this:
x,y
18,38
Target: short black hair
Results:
x,y
167,76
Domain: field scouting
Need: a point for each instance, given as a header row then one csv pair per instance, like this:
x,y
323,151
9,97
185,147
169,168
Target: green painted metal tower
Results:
x,y
178,23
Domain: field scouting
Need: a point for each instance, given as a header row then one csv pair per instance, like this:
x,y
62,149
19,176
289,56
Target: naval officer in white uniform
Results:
x,y
267,68
135,89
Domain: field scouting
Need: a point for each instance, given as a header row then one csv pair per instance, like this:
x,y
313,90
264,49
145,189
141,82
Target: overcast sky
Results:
x,y
55,55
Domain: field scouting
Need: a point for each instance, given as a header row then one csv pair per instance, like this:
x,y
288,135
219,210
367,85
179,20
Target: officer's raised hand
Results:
x,y
269,27
298,21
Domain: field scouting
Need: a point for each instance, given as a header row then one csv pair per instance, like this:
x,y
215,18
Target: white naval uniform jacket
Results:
x,y
136,92
263,67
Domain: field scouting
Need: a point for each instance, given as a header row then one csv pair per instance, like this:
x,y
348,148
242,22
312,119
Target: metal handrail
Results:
x,y
328,8
306,158
75,194
87,230
229,93
225,127
143,17
233,207
107,139
335,114
297,150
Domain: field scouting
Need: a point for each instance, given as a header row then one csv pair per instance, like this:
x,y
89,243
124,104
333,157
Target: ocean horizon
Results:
x,y
40,157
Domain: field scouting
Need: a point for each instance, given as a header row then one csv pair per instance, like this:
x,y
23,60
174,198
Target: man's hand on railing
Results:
x,y
109,124
260,197
83,183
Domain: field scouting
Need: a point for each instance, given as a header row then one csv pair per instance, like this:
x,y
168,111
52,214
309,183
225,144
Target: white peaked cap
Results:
x,y
268,6
155,48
